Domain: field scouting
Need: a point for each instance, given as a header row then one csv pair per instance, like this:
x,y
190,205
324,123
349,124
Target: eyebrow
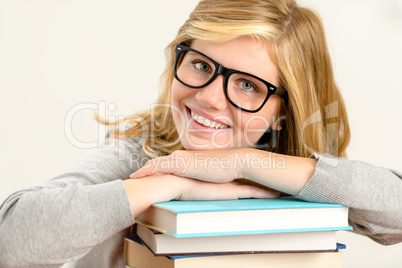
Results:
x,y
197,54
208,58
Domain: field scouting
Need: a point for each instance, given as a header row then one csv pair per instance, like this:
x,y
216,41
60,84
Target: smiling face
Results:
x,y
204,117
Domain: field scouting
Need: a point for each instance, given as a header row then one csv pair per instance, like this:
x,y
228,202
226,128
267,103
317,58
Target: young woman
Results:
x,y
248,93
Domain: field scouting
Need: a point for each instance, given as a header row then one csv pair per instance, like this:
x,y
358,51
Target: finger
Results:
x,y
252,183
159,165
248,191
225,191
148,169
140,173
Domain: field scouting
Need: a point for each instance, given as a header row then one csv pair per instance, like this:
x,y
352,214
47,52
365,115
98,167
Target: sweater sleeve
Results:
x,y
373,195
64,218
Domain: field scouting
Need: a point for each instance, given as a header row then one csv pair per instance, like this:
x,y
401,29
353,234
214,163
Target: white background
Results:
x,y
55,55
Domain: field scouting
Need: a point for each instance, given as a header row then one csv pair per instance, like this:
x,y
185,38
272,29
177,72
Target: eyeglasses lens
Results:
x,y
245,91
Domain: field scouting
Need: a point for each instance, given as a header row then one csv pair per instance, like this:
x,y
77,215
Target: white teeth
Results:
x,y
206,122
194,115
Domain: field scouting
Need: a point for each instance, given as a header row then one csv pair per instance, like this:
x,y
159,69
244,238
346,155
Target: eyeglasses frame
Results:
x,y
226,72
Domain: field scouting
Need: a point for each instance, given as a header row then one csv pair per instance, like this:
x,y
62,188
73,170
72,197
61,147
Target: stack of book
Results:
x,y
283,232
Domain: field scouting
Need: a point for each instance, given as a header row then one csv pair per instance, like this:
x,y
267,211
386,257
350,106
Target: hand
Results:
x,y
200,190
146,191
284,173
168,187
211,165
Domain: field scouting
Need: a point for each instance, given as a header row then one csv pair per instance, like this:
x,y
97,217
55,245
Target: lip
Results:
x,y
207,116
196,125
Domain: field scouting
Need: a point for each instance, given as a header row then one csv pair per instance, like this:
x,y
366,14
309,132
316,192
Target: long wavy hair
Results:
x,y
316,119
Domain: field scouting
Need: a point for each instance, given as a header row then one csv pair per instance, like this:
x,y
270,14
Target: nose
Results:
x,y
212,95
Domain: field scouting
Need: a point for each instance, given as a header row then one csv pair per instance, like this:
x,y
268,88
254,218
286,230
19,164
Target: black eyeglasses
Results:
x,y
245,91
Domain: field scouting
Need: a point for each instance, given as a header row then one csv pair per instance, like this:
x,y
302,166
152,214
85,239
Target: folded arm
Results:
x,y
373,194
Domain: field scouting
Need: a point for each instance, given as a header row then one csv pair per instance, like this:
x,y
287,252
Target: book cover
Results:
x,y
243,216
286,202
339,247
161,244
138,256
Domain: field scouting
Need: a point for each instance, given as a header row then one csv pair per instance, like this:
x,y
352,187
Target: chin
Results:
x,y
204,144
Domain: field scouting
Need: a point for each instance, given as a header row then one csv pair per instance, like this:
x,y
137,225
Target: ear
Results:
x,y
277,123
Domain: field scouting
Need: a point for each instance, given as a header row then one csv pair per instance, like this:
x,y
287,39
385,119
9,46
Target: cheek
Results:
x,y
175,99
254,127
175,93
179,95
180,92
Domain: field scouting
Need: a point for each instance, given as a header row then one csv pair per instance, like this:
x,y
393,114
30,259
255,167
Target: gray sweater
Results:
x,y
82,216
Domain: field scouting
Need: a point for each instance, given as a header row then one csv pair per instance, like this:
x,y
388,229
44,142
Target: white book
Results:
x,y
161,244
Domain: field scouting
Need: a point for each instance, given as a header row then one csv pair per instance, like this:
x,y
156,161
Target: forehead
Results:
x,y
244,54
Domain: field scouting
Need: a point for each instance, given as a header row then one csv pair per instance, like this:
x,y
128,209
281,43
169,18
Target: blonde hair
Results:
x,y
316,119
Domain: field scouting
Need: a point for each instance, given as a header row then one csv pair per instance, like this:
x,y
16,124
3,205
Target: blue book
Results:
x,y
339,246
243,216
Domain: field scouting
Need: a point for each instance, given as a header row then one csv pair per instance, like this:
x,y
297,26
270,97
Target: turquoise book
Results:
x,y
243,216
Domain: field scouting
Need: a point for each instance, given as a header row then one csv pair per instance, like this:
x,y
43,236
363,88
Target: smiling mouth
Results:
x,y
207,122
